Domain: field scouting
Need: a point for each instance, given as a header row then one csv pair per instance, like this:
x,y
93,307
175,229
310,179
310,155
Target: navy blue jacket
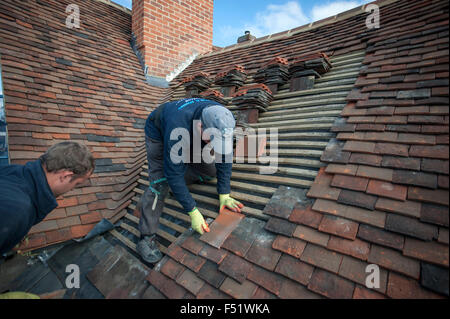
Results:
x,y
181,114
25,200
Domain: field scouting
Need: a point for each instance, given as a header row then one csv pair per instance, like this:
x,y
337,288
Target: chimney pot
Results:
x,y
246,37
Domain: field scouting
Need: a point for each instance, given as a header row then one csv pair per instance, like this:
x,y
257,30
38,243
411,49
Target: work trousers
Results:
x,y
150,210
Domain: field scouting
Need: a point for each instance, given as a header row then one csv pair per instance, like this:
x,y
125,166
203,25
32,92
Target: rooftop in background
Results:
x,y
233,17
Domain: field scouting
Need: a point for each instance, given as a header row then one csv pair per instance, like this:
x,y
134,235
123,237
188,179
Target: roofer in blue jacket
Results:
x,y
28,192
201,124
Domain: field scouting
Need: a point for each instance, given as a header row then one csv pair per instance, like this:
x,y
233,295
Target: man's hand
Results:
x,y
198,222
227,202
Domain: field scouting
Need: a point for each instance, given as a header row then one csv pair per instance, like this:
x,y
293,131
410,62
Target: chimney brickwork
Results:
x,y
168,33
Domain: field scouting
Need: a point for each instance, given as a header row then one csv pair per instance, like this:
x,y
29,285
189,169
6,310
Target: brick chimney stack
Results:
x,y
169,34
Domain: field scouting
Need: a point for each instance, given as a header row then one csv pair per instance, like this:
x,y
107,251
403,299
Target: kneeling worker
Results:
x,y
195,117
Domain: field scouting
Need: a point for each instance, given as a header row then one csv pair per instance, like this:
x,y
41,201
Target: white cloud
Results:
x,y
329,9
277,18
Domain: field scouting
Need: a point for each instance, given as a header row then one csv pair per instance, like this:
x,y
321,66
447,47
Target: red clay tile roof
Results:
x,y
81,84
382,197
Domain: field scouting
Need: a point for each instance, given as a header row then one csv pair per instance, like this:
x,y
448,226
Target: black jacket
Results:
x,y
25,200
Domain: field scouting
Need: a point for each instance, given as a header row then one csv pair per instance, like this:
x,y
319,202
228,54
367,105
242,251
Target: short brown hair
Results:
x,y
70,156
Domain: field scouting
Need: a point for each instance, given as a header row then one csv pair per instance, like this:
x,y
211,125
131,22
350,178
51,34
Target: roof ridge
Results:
x,y
307,27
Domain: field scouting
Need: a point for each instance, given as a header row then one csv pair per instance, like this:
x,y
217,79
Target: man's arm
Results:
x,y
175,177
180,191
223,177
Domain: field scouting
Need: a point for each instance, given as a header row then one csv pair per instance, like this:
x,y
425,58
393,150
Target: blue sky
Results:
x,y
263,17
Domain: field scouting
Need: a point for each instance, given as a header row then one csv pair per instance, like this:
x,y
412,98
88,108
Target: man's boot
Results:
x,y
148,249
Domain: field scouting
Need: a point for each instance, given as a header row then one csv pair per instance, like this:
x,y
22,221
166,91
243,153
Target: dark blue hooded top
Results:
x,y
181,114
25,200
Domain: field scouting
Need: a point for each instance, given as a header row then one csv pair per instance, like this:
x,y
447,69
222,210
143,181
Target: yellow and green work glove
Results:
x,y
227,202
198,222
